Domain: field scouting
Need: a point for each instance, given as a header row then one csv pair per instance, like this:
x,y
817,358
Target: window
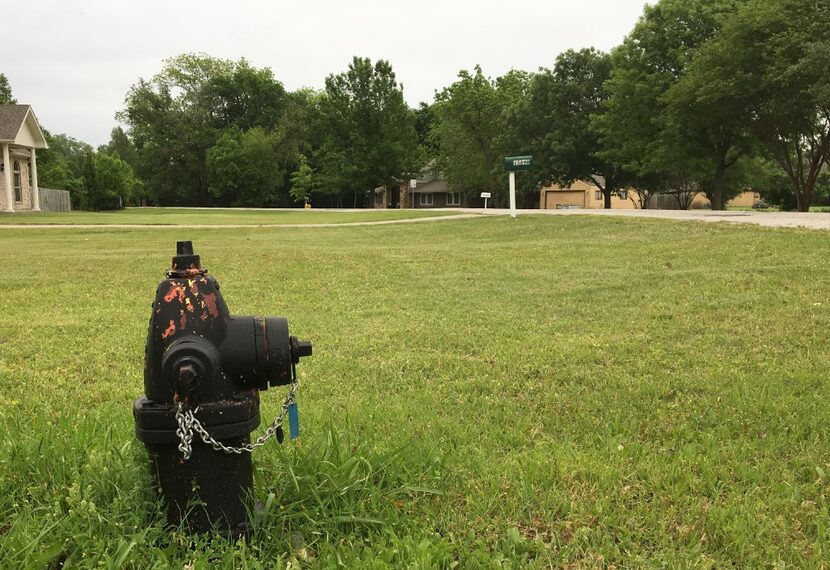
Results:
x,y
597,194
426,199
18,192
624,194
453,198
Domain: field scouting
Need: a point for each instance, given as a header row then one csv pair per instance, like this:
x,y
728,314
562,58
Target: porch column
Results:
x,y
7,178
35,190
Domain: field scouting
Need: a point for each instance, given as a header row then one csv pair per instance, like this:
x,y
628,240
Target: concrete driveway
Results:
x,y
811,220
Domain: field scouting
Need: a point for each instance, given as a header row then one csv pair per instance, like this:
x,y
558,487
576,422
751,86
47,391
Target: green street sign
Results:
x,y
516,163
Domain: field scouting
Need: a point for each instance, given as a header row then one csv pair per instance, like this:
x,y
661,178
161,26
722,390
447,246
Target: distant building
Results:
x,y
431,191
20,136
582,194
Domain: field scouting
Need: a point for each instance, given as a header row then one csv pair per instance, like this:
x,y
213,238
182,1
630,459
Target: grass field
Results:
x,y
213,216
572,392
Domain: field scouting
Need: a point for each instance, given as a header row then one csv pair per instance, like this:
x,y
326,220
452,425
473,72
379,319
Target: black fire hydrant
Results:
x,y
203,371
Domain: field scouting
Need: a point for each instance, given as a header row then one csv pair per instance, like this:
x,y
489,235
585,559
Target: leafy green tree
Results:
x,y
474,132
645,129
179,115
62,166
111,182
772,60
245,97
556,122
121,145
367,131
302,181
6,91
424,122
244,170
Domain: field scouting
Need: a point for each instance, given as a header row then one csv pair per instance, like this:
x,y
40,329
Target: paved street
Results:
x,y
811,220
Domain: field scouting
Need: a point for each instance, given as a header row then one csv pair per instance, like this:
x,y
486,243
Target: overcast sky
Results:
x,y
74,61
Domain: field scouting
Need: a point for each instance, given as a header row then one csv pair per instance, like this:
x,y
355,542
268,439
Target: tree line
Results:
x,y
702,96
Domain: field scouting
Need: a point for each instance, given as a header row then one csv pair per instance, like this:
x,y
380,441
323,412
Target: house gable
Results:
x,y
19,126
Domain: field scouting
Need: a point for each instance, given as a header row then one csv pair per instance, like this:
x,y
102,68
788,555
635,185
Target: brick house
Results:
x,y
431,191
20,136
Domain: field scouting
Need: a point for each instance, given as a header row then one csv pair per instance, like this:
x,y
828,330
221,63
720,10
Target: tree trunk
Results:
x,y
717,188
804,195
607,192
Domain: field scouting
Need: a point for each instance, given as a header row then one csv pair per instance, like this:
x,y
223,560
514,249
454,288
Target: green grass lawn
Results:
x,y
565,391
212,216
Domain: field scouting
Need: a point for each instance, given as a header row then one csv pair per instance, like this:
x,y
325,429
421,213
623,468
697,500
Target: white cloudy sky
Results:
x,y
74,61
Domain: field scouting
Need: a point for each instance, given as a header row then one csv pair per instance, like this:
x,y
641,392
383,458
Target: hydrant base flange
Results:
x,y
155,422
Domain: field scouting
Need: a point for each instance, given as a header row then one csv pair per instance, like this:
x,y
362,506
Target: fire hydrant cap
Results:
x,y
185,261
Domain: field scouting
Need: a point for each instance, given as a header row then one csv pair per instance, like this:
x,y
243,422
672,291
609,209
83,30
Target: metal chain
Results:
x,y
184,431
188,424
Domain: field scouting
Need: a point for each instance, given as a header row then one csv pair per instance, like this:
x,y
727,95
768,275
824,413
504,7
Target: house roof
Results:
x,y
439,185
19,126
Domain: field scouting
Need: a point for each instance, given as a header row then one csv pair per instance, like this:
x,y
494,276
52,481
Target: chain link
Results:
x,y
189,424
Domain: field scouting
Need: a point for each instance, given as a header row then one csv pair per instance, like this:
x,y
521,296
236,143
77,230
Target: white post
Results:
x,y
512,194
35,189
7,178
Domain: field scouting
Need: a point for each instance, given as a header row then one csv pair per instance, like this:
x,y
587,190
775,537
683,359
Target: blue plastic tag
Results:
x,y
293,421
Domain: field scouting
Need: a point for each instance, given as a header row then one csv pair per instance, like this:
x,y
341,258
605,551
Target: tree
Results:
x,y
474,132
245,97
656,134
556,121
774,55
424,123
121,145
367,131
302,181
110,182
244,168
62,167
179,115
6,91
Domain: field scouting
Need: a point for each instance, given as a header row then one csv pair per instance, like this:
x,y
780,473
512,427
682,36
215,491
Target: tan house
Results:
x,y
743,200
582,194
20,136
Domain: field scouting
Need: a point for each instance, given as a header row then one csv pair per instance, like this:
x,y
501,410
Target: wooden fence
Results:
x,y
54,200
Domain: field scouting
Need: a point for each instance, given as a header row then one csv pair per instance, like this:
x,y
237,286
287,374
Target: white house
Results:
x,y
20,136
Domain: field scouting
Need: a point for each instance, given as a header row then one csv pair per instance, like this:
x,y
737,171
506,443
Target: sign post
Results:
x,y
514,164
485,195
412,185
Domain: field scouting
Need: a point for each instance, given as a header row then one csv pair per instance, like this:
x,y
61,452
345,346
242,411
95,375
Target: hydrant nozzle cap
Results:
x,y
185,262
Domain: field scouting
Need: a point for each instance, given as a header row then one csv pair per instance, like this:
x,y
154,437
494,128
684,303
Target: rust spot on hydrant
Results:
x,y
171,328
171,293
210,303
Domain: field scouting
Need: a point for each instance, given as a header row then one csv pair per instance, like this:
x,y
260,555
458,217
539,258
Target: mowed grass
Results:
x,y
569,392
212,216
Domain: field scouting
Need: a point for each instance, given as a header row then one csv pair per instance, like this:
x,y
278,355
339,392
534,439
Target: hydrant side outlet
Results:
x,y
201,360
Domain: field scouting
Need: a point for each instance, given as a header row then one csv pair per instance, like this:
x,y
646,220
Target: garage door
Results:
x,y
555,200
